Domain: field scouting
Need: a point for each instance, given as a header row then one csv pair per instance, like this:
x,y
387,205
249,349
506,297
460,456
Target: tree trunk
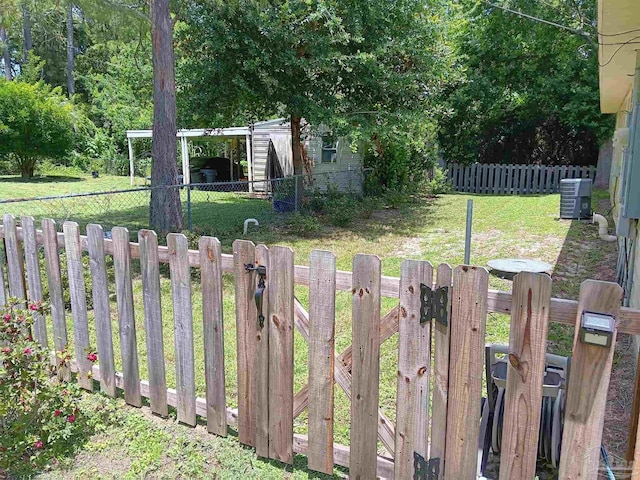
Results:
x,y
296,145
6,54
165,209
71,84
27,40
27,167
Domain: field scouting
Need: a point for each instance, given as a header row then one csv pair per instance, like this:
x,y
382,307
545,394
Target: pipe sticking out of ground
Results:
x,y
603,228
254,222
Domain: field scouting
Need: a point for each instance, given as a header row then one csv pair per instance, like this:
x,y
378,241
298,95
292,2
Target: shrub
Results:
x,y
36,122
438,183
40,415
303,225
341,211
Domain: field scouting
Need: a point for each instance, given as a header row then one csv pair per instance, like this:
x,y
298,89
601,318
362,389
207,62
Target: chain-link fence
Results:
x,y
206,207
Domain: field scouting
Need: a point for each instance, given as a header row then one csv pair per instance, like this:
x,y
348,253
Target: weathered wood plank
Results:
x,y
322,300
262,334
441,334
183,327
78,296
212,318
34,281
15,265
588,385
150,273
527,351
414,368
366,365
246,321
101,308
281,324
468,320
126,317
54,281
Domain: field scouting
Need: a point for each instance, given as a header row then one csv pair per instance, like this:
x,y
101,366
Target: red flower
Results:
x,y
7,317
92,357
6,349
57,413
71,418
27,351
34,307
29,338
38,444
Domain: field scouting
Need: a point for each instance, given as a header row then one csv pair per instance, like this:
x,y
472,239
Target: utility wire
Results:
x,y
564,27
618,50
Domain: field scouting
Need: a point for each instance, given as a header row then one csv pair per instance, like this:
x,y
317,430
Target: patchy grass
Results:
x,y
430,229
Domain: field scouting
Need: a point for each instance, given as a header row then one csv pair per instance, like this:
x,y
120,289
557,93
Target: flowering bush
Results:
x,y
39,415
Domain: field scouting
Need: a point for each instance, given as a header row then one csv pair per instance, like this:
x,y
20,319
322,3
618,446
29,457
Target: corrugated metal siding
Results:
x,y
260,141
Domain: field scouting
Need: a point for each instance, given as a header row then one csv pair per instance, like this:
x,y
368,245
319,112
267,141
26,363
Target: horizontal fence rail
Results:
x,y
513,179
267,313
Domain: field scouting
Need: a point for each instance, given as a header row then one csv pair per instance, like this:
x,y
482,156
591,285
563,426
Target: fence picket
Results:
x,y
15,266
536,179
3,264
246,325
183,327
468,320
414,368
152,302
322,300
588,385
54,281
281,295
34,280
441,334
78,296
262,368
126,317
366,365
527,348
101,308
212,318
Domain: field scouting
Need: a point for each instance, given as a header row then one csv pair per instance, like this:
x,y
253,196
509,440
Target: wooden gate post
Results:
x,y
468,321
588,385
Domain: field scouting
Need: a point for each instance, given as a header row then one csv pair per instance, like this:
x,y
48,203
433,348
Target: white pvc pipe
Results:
x,y
248,221
603,228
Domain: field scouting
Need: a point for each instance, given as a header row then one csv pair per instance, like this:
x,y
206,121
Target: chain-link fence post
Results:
x,y
189,221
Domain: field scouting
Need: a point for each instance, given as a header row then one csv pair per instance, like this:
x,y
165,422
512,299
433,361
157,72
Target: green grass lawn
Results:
x,y
430,229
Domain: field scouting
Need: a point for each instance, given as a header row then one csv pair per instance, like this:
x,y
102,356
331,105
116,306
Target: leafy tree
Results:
x,y
528,91
355,67
36,122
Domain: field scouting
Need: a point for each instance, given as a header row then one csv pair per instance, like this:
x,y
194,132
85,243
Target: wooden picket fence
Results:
x,y
513,179
268,404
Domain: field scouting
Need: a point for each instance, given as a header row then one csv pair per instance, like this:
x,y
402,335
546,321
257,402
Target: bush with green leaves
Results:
x,y
36,123
40,419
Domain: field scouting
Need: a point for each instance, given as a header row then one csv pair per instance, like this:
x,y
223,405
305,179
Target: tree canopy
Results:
x,y
35,123
529,90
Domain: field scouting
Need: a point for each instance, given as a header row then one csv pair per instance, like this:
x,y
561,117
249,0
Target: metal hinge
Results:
x,y
434,304
261,270
425,470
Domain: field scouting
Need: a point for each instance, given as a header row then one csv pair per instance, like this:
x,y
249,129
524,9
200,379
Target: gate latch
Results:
x,y
434,304
425,470
261,270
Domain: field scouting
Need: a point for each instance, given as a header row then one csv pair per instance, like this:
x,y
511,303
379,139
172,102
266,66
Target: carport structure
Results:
x,y
184,135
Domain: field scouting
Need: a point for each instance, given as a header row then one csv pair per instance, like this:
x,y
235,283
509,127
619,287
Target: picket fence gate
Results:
x,y
513,179
447,433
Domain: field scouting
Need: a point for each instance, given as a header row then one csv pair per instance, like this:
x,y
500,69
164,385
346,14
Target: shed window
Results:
x,y
329,149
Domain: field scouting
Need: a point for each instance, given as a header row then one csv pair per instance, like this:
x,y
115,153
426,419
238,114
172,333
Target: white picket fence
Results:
x,y
513,179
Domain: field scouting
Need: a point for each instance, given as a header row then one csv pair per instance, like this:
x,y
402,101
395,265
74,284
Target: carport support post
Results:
x,y
130,159
249,162
467,236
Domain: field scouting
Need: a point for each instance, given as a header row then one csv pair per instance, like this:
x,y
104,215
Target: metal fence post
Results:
x,y
189,223
467,236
